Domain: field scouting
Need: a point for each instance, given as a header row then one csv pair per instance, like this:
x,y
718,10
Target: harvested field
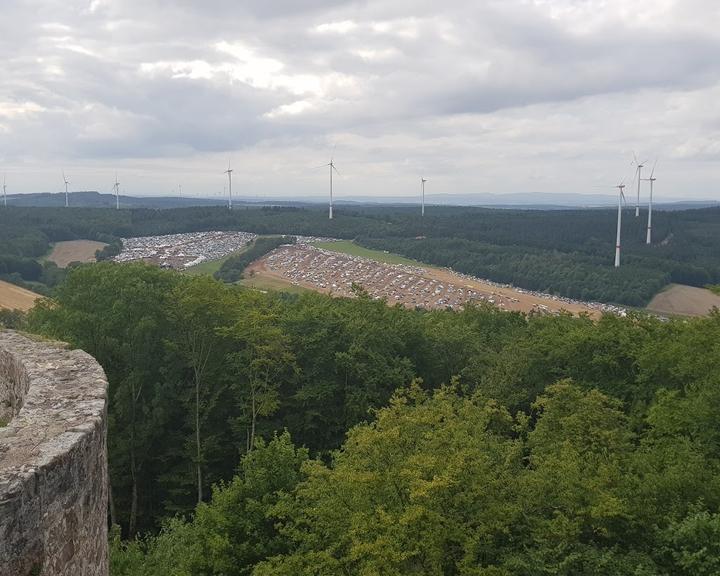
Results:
x,y
15,298
334,273
682,300
74,251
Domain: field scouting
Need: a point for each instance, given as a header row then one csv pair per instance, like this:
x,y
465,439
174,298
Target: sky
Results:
x,y
497,96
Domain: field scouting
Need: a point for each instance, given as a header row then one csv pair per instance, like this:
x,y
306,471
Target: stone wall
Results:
x,y
53,460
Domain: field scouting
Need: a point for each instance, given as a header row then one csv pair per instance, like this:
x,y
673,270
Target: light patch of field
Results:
x,y
264,280
15,298
681,300
352,249
63,253
212,266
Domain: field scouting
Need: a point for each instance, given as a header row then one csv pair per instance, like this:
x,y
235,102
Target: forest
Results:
x,y
275,434
564,252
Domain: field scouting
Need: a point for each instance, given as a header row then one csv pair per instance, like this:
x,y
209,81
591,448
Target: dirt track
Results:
x,y
74,251
683,300
15,298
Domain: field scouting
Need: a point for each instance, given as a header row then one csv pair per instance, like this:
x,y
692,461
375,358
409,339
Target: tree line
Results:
x,y
266,434
566,252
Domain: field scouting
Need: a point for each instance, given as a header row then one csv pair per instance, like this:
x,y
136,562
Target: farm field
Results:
x,y
63,253
352,249
682,300
15,298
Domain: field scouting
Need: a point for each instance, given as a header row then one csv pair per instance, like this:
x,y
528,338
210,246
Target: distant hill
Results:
x,y
92,199
527,201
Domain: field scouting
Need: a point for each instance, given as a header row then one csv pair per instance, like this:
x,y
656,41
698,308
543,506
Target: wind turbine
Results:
x,y
652,179
331,165
621,198
640,166
422,186
116,188
4,191
229,173
66,189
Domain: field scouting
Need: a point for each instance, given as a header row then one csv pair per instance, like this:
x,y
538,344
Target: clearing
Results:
x,y
63,253
15,298
349,247
212,266
333,272
260,280
682,300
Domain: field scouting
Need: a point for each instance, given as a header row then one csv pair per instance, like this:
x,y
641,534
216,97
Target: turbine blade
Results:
x,y
635,158
652,172
333,167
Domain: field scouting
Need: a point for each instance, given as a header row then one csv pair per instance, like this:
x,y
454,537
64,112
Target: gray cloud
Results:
x,y
453,90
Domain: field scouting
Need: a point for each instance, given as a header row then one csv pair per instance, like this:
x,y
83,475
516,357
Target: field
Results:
x,y
352,249
211,266
264,281
63,253
682,300
314,268
15,298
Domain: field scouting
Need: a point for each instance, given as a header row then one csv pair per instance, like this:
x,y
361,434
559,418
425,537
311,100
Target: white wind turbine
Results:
x,y
621,198
652,179
116,189
640,166
331,165
67,203
422,187
229,173
4,191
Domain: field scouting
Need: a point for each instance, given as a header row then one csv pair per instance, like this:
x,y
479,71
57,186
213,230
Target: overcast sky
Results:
x,y
488,97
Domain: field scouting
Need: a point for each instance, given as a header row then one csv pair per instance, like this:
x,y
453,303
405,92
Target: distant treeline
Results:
x,y
232,269
567,252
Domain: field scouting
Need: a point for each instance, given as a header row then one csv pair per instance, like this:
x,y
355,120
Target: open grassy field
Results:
x,y
212,266
15,298
681,300
349,247
74,251
264,281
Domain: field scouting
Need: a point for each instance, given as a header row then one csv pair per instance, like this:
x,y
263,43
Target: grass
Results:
x,y
714,288
349,247
261,282
212,266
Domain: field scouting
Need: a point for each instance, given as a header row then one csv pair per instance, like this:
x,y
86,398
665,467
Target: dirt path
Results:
x,y
683,300
15,298
74,251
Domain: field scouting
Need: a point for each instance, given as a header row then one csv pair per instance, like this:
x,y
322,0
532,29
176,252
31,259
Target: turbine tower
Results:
x,y
621,197
640,166
67,203
229,173
4,192
116,188
422,187
652,179
331,164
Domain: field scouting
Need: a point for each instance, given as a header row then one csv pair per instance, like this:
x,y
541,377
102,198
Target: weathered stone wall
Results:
x,y
53,460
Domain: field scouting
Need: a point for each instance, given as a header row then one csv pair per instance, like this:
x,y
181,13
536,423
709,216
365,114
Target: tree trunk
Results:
x,y
197,438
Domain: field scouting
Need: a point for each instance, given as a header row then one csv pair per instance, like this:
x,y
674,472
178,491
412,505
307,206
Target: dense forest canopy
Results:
x,y
567,252
270,434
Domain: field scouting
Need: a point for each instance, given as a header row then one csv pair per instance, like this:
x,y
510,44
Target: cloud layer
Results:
x,y
494,96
